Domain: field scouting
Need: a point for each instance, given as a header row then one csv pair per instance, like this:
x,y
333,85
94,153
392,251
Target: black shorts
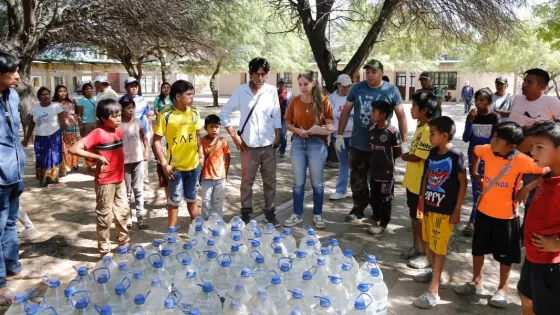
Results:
x,y
499,237
412,203
382,192
541,284
161,176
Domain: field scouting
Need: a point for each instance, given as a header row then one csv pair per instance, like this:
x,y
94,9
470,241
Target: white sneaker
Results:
x,y
319,222
338,196
376,230
293,220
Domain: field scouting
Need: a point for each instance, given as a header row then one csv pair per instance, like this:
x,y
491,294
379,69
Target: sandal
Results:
x,y
142,224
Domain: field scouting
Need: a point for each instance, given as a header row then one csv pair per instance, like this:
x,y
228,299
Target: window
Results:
x,y
444,80
401,79
412,80
287,78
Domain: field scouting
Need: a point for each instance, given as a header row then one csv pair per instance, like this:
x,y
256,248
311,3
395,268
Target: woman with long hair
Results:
x,y
72,123
162,100
46,124
86,110
310,109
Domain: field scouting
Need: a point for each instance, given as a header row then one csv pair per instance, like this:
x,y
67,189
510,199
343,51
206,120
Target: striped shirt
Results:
x,y
108,144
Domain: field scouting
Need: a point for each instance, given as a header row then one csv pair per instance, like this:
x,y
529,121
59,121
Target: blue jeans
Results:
x,y
310,152
343,168
283,138
9,246
184,185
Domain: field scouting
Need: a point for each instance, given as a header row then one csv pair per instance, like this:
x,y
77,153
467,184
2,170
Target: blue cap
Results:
x,y
32,309
310,232
122,250
277,239
255,243
235,228
102,278
333,242
346,266
310,242
259,259
123,266
287,231
215,233
82,271
198,228
371,259
187,260
236,237
169,303
246,272
324,301
278,250
20,297
235,248
81,303
321,261
324,251
285,267
172,229
195,311
211,254
107,259
225,263
156,243
239,286
207,287
374,272
191,274
139,299
211,242
257,233
296,293
187,245
335,279
348,253
140,254
363,287
307,275
54,283
155,282
158,264
137,274
68,291
360,304
276,279
301,254
171,239
120,289
166,252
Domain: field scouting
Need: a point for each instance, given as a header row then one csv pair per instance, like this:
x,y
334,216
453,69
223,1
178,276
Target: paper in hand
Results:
x,y
318,130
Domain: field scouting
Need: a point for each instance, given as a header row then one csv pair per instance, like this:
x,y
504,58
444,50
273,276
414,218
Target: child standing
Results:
x,y
385,144
216,166
424,104
135,145
540,274
105,144
443,191
478,130
497,220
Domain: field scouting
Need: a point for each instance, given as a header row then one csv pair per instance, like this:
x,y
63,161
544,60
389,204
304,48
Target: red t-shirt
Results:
x,y
543,217
108,144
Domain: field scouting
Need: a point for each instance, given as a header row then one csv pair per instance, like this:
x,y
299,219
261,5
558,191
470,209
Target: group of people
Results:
x,y
512,140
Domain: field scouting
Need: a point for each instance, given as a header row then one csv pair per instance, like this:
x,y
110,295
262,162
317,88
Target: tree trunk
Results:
x,y
556,88
213,83
133,70
25,90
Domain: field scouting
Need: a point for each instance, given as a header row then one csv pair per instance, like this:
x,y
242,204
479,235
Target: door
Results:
x,y
401,83
411,86
115,81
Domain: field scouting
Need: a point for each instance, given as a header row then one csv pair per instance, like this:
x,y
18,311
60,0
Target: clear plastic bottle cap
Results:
x,y
195,311
278,250
207,287
324,251
259,259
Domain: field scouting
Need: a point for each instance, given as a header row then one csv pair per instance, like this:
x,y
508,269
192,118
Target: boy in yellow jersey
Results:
x,y
180,125
424,104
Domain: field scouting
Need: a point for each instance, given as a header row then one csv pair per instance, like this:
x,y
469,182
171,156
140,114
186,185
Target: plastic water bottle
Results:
x,y
337,293
139,307
309,247
185,263
255,246
277,241
208,266
34,304
335,254
120,302
107,262
349,257
286,274
100,292
54,296
236,220
277,254
207,301
170,307
46,311
171,245
277,293
123,255
212,245
172,232
260,304
139,283
325,253
188,285
223,278
191,249
158,293
103,310
237,254
247,280
310,236
268,233
118,275
197,240
309,286
66,307
374,276
259,270
154,247
18,307
297,301
169,262
360,307
240,295
348,277
199,221
213,220
81,303
250,232
288,240
140,262
220,239
84,277
322,274
300,263
365,269
378,292
159,272
324,307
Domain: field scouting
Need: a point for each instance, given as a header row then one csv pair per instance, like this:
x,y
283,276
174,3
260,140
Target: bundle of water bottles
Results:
x,y
223,269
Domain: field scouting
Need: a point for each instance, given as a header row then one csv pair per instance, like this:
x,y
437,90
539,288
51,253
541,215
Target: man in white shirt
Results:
x,y
258,136
501,100
104,89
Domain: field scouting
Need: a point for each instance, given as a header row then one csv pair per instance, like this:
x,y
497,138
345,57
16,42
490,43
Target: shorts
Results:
x,y
436,231
412,200
541,284
499,237
184,185
161,176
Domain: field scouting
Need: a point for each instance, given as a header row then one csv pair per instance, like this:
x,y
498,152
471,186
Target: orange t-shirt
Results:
x,y
499,202
215,163
301,114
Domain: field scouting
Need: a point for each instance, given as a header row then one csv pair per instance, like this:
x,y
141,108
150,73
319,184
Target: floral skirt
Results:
x,y
70,160
48,158
90,163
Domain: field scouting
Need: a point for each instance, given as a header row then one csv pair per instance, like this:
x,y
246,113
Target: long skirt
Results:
x,y
90,163
70,160
48,158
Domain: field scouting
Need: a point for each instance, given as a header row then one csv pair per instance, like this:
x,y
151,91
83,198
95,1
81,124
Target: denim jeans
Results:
x,y
283,138
213,192
9,246
468,104
184,185
343,168
310,152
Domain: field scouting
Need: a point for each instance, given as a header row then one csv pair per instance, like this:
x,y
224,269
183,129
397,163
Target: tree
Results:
x,y
453,19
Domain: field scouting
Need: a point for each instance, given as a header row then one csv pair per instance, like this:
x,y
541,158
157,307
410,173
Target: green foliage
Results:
x,y
549,29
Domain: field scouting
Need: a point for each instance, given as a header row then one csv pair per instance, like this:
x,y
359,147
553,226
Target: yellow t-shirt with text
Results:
x,y
179,129
420,147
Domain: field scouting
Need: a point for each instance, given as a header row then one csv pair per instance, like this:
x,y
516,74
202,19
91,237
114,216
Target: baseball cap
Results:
x,y
467,83
130,80
344,80
424,75
281,80
374,64
501,80
100,79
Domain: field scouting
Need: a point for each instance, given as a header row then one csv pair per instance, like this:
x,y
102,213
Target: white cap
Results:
x,y
130,80
100,79
344,80
467,83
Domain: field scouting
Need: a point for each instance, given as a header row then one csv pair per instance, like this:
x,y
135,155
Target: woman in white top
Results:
x,y
48,119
